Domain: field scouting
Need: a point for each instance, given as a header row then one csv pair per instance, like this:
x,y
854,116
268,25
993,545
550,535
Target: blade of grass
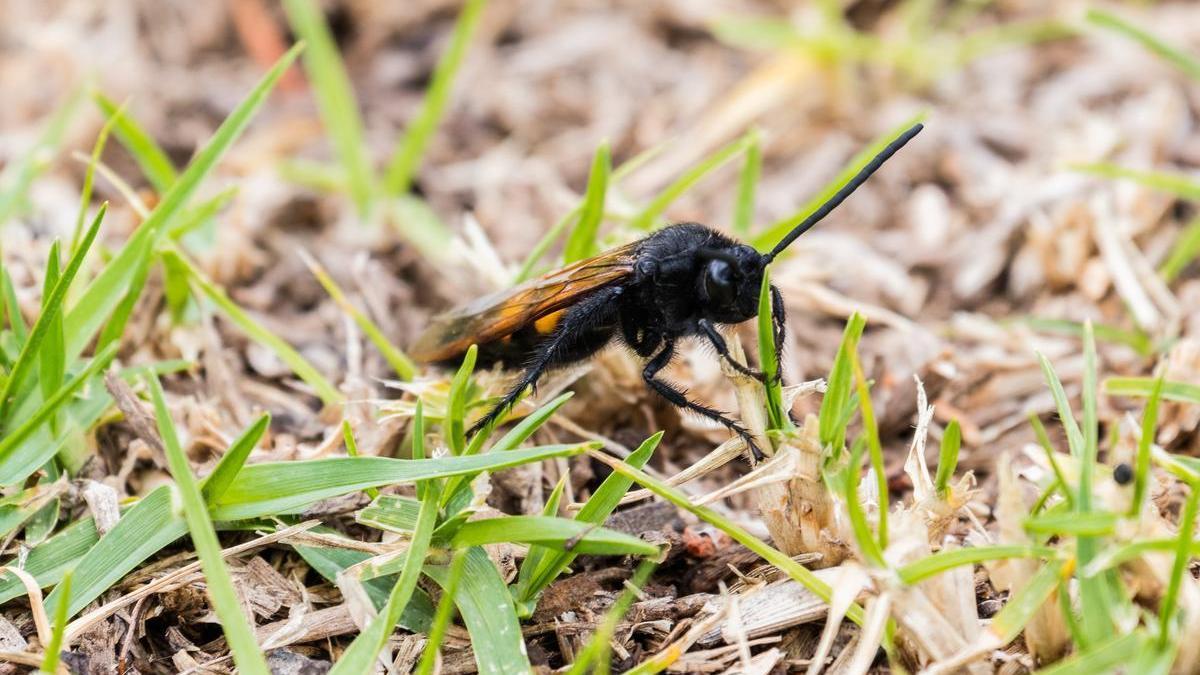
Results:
x,y
367,646
1183,252
1060,478
1183,557
595,655
403,366
581,243
539,249
335,98
947,559
743,206
777,417
85,197
487,612
12,308
1171,390
155,164
437,633
772,555
871,430
51,366
19,434
1174,183
52,306
1180,59
948,457
649,215
456,407
49,561
108,289
776,231
352,450
1141,470
54,649
1103,658
1136,339
215,484
239,634
596,510
863,536
328,394
832,425
557,533
1074,436
1023,604
273,488
407,157
1074,523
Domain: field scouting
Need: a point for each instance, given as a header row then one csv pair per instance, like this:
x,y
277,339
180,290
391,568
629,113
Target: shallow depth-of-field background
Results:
x,y
215,251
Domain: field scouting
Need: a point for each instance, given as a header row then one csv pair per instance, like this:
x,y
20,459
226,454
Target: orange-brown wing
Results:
x,y
503,313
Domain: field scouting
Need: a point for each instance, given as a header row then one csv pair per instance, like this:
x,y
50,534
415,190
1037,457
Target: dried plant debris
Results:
x,y
982,458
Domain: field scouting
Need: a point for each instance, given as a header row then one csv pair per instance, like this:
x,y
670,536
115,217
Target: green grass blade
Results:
x,y
581,243
1023,604
335,98
596,653
1179,58
1135,339
772,555
159,169
188,229
49,561
12,308
239,634
549,532
1074,523
273,488
743,206
948,458
114,328
488,614
51,366
403,366
947,559
1183,557
52,307
1074,436
14,438
89,176
777,417
437,633
1094,598
649,216
832,422
143,530
215,484
874,448
868,546
545,569
366,647
1141,469
1172,390
1174,183
456,406
1103,658
299,365
1183,252
107,290
776,231
408,154
54,649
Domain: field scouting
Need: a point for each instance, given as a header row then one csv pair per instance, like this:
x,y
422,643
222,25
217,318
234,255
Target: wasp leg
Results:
x,y
679,398
779,319
718,342
582,320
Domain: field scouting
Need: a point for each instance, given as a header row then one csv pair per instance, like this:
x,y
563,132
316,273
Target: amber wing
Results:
x,y
495,316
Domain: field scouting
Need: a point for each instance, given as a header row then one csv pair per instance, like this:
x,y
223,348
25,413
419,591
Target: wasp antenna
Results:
x,y
834,201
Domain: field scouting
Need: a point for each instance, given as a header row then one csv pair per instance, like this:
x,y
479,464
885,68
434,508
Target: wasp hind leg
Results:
x,y
679,399
582,330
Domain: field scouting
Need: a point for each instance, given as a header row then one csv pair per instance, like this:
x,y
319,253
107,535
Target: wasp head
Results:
x,y
729,283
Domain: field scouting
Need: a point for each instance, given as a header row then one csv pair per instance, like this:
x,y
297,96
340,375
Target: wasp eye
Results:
x,y
718,281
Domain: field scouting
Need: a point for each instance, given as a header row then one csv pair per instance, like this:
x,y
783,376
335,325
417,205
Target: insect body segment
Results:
x,y
681,282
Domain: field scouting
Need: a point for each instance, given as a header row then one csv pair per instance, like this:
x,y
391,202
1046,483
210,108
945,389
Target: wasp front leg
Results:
x,y
718,342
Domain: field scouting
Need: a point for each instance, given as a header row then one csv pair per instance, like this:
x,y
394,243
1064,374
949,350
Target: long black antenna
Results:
x,y
848,188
